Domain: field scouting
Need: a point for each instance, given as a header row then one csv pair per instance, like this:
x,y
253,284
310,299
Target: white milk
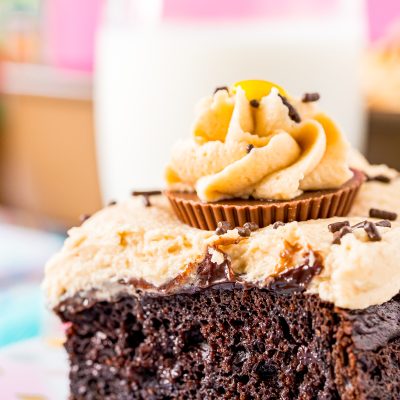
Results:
x,y
150,76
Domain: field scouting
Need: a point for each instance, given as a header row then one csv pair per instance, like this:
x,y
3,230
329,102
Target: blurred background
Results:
x,y
94,92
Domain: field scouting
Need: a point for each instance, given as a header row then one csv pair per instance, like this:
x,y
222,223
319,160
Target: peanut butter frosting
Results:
x,y
375,193
243,147
129,242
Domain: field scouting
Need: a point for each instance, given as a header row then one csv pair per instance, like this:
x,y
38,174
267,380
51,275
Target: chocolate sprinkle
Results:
x,y
384,223
221,88
337,236
146,192
84,217
146,201
379,178
251,225
277,224
310,97
293,114
112,203
359,225
244,232
249,148
372,231
223,227
382,214
146,195
255,103
336,226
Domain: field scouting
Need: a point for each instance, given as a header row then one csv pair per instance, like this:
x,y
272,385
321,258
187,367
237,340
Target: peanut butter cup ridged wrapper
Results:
x,y
310,205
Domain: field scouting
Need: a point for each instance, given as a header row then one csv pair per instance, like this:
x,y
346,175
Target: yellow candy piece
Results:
x,y
257,89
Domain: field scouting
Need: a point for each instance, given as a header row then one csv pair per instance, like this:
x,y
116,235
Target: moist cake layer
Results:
x,y
229,342
131,242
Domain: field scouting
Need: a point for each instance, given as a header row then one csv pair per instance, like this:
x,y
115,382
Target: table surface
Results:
x,y
33,370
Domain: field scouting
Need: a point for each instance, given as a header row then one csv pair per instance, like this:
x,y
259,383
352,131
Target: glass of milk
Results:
x,y
156,59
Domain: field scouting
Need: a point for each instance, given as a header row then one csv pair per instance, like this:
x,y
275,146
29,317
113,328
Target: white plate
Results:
x,y
33,370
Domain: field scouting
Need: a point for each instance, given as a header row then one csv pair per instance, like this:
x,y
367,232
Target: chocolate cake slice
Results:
x,y
231,342
155,309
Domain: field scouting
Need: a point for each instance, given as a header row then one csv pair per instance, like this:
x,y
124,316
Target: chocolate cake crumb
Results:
x,y
377,213
338,235
293,114
372,231
255,103
223,227
277,224
251,225
221,88
384,223
249,148
379,178
336,226
244,232
84,217
310,97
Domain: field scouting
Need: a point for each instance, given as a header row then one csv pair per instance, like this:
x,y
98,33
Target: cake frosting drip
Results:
x,y
128,243
240,150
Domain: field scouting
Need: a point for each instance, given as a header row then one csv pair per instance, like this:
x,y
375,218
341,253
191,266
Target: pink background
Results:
x,y
381,14
71,24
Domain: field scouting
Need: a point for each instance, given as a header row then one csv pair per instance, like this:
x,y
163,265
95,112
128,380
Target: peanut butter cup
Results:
x,y
310,205
260,155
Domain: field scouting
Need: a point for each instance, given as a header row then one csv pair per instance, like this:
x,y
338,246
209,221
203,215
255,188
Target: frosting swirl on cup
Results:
x,y
243,148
